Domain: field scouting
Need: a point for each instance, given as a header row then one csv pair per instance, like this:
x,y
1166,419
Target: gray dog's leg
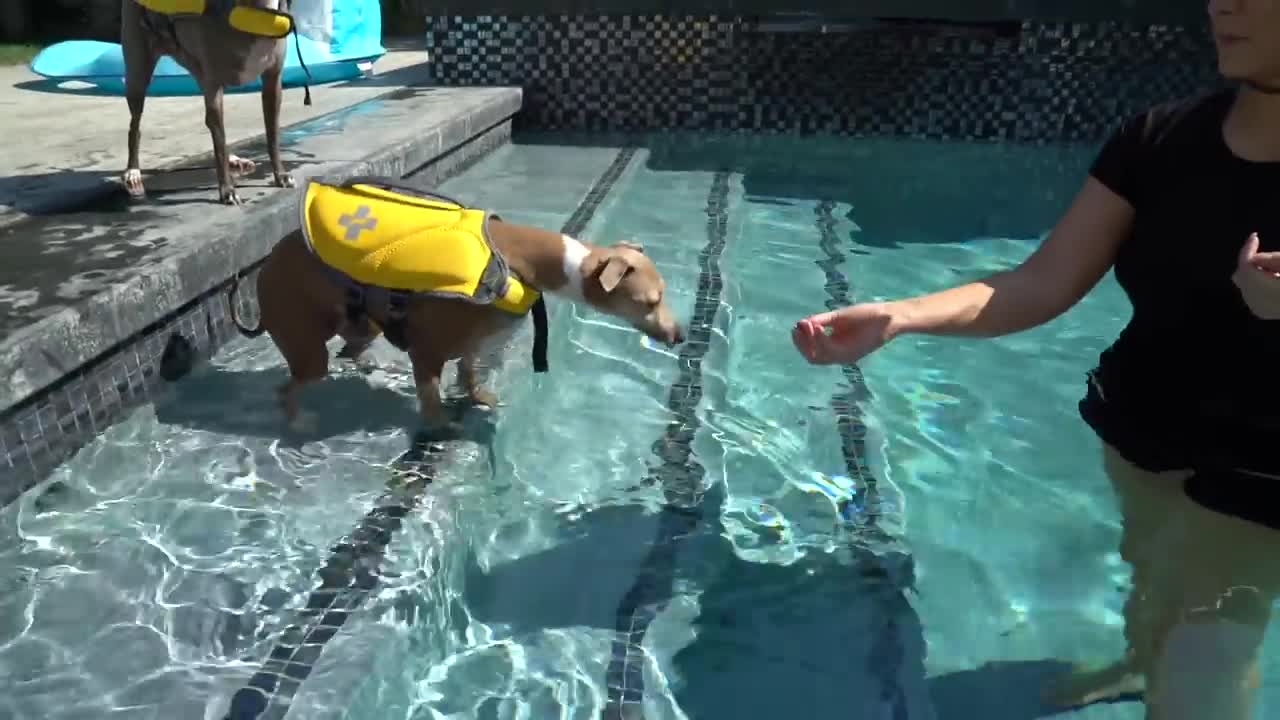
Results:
x,y
140,60
213,120
272,95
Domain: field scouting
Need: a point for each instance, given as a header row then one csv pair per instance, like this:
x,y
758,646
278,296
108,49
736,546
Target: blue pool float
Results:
x,y
356,43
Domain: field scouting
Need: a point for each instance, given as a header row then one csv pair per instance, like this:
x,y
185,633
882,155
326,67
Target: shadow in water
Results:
x,y
822,637
243,403
769,640
1002,691
577,582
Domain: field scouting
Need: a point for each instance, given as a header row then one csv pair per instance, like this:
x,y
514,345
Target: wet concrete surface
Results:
x,y
67,142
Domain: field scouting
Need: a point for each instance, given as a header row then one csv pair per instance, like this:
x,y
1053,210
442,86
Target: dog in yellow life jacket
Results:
x,y
439,279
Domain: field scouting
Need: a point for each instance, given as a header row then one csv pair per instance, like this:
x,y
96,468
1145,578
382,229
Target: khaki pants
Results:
x,y
1203,587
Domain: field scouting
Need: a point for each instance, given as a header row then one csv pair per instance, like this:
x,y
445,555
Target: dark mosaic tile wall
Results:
x,y
1038,82
42,432
36,436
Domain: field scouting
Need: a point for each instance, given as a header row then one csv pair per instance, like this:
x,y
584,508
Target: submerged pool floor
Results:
x,y
715,531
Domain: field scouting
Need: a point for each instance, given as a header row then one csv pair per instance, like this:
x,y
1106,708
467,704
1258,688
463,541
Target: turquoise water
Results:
x,y
156,570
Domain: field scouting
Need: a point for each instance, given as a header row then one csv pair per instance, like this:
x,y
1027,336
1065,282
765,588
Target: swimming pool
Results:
x,y
713,531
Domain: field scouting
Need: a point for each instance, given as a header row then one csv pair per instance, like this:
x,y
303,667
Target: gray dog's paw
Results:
x,y
285,180
229,196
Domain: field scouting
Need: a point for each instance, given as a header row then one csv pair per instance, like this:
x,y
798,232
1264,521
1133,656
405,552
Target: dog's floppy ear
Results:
x,y
615,269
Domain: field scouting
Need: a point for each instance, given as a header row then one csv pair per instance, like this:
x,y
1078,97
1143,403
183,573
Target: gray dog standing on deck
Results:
x,y
217,56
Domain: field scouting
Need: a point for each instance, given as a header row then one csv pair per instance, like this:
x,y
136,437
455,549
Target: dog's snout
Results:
x,y
670,335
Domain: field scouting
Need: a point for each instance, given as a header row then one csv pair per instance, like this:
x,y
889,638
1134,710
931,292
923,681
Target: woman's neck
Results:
x,y
1252,128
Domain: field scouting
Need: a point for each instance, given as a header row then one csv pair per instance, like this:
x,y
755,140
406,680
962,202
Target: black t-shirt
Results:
x,y
1193,352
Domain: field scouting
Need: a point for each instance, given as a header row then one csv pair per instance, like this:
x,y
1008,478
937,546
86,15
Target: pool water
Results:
x,y
910,539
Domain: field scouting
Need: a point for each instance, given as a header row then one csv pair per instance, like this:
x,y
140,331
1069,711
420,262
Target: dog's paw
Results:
x,y
304,423
229,196
353,349
240,166
285,180
132,180
483,398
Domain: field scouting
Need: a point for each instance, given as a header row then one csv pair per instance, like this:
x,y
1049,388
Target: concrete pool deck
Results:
x,y
81,281
73,136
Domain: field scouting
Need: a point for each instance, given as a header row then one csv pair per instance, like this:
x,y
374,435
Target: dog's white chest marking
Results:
x,y
575,253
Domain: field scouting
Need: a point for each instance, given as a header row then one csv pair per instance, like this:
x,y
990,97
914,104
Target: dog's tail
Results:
x,y
232,294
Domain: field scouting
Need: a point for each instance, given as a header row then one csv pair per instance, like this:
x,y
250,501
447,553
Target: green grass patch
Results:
x,y
17,54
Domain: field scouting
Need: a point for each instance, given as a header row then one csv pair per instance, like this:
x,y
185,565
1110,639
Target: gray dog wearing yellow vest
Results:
x,y
225,44
440,280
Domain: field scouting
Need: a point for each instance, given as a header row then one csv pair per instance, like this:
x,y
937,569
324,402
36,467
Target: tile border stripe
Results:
x,y
679,475
347,578
844,401
600,190
861,515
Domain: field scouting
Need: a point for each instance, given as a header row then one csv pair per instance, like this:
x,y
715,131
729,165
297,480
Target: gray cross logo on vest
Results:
x,y
357,223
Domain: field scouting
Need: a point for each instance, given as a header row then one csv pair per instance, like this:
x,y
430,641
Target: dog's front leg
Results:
x,y
139,67
213,120
469,374
427,370
272,96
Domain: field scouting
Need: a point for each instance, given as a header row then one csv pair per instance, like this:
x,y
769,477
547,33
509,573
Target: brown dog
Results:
x,y
302,307
218,56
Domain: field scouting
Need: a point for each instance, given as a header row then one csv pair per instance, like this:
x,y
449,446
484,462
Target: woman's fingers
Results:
x,y
1249,251
822,320
1270,261
812,342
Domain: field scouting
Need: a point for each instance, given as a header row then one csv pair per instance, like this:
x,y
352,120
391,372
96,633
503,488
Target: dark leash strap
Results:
x,y
397,329
297,45
539,310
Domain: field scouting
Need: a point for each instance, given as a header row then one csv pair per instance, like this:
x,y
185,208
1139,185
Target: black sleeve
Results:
x,y
1121,163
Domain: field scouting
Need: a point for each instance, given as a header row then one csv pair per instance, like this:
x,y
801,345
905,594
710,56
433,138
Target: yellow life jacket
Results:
x,y
252,20
375,232
274,24
382,234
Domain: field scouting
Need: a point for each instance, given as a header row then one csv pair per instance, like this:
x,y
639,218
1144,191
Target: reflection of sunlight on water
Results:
x,y
835,488
779,515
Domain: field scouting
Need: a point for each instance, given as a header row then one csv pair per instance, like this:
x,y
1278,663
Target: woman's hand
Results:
x,y
1258,277
845,335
